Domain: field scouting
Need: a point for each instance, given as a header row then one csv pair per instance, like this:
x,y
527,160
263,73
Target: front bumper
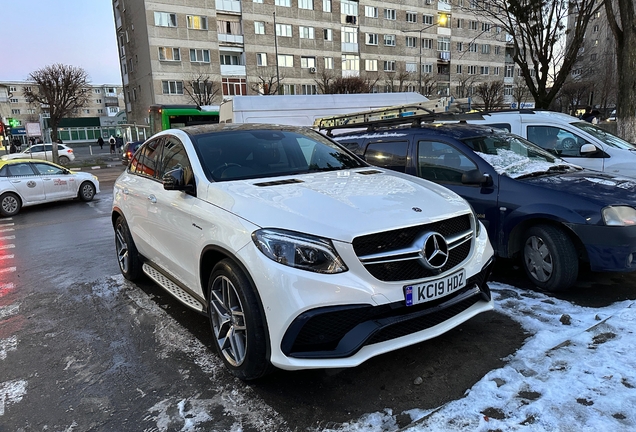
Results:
x,y
341,320
608,248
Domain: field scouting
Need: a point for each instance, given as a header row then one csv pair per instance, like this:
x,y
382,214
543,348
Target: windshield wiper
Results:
x,y
553,169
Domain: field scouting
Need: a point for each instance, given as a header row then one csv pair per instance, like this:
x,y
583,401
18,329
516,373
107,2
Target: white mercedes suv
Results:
x,y
301,254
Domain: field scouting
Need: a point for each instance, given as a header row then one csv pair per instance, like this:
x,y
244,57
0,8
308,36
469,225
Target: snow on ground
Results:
x,y
576,372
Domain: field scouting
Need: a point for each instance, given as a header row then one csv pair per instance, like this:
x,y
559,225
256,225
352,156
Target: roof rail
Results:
x,y
414,114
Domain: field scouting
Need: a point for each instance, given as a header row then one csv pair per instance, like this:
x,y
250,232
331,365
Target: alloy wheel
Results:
x,y
228,320
538,259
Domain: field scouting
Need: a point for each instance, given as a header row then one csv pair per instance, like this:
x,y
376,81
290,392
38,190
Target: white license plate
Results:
x,y
431,290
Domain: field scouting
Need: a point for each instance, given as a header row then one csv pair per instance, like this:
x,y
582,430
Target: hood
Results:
x,y
339,205
604,189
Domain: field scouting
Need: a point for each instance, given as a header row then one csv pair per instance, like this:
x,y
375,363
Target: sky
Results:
x,y
39,33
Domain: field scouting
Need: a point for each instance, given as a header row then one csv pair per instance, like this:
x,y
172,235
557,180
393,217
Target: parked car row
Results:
x,y
306,253
43,152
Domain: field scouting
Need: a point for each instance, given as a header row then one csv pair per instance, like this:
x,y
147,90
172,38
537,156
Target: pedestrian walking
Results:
x,y
119,143
100,141
111,141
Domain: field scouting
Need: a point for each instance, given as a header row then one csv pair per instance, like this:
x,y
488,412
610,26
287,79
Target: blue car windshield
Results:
x,y
513,156
604,136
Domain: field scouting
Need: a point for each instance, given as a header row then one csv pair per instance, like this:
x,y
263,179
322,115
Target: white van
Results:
x,y
574,140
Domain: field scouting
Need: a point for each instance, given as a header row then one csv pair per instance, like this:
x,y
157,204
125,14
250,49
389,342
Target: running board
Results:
x,y
174,289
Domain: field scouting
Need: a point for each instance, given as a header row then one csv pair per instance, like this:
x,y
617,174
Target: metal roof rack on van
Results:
x,y
414,114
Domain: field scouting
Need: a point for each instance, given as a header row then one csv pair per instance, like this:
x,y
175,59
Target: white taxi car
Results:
x,y
44,152
26,182
301,254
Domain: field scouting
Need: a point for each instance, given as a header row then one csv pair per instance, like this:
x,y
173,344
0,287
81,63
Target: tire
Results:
x,y
127,255
86,191
64,160
237,323
549,258
10,204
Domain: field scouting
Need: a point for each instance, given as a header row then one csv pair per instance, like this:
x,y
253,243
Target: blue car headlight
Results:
x,y
619,216
298,250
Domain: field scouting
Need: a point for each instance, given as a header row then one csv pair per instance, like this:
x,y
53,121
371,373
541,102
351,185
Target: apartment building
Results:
x,y
244,47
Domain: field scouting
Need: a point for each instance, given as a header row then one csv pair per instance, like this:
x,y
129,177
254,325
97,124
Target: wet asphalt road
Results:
x,y
81,349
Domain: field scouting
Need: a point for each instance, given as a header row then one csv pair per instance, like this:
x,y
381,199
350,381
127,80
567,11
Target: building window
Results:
x,y
306,4
593,57
288,89
259,27
165,19
595,28
372,39
389,66
328,62
350,62
370,11
427,19
261,59
307,62
99,111
286,3
472,70
199,56
507,90
411,17
411,67
496,70
229,60
285,60
348,7
460,46
474,25
349,35
485,27
371,65
485,49
197,22
389,40
172,87
309,89
458,69
428,68
87,111
98,101
130,65
411,41
306,32
114,110
13,100
595,42
389,14
427,43
472,47
484,70
234,86
460,23
15,111
169,54
443,44
328,34
257,1
13,89
326,5
284,30
509,71
94,90
497,49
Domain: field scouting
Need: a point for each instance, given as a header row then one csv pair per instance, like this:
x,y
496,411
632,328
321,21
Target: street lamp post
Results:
x,y
441,21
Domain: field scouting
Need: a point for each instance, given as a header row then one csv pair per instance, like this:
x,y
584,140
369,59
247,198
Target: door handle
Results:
x,y
152,199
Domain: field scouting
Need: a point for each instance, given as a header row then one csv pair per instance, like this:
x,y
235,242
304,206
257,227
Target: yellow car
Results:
x,y
26,182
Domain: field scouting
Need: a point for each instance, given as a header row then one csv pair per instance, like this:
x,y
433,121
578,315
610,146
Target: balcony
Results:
x,y
349,47
509,59
111,101
228,6
233,70
444,56
230,38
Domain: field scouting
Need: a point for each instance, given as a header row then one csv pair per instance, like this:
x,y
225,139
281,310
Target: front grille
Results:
x,y
340,331
411,269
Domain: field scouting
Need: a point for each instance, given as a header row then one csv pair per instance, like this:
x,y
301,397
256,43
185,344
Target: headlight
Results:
x,y
297,250
619,216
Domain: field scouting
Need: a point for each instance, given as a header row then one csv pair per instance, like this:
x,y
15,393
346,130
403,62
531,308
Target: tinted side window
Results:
x,y
36,148
441,162
44,169
21,169
174,156
391,155
146,160
556,140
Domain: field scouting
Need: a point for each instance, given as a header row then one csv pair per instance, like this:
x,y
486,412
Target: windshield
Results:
x,y
603,135
243,154
513,156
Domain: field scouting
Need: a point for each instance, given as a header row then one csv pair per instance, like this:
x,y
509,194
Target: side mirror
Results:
x,y
476,177
175,180
588,149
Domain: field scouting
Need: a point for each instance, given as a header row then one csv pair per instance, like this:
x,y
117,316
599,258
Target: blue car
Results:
x,y
552,214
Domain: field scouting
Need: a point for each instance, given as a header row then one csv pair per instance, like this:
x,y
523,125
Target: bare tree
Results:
x,y
325,81
572,94
201,89
396,82
535,29
429,84
465,84
64,89
520,91
621,15
268,81
491,94
342,85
